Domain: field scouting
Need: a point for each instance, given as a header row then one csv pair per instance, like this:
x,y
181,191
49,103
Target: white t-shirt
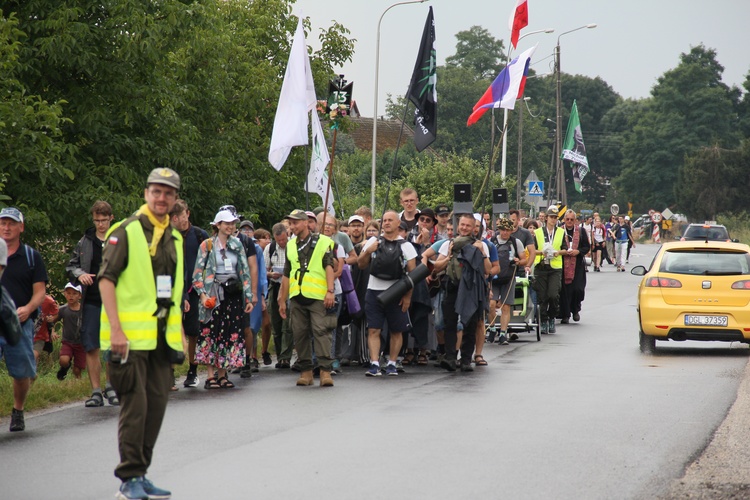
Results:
x,y
340,254
409,253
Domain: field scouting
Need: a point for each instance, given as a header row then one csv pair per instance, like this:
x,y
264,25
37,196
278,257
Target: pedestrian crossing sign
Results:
x,y
536,188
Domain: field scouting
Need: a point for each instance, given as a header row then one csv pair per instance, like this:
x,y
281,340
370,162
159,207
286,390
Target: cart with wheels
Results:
x,y
524,314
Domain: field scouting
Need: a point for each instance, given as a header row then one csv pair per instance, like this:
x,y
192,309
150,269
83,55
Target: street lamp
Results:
x,y
375,103
505,110
561,190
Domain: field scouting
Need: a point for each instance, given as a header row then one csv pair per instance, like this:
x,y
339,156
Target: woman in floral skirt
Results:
x,y
222,279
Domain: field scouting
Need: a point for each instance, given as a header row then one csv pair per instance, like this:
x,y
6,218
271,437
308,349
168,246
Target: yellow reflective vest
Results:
x,y
557,241
136,303
314,284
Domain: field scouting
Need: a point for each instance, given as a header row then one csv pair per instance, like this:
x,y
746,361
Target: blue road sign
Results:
x,y
536,188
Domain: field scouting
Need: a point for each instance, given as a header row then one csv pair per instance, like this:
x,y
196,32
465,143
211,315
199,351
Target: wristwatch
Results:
x,y
330,290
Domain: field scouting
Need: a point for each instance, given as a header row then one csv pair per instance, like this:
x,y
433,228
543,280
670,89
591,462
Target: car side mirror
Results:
x,y
735,240
638,271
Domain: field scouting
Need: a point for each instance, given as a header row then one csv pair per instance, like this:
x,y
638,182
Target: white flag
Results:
x,y
317,177
297,98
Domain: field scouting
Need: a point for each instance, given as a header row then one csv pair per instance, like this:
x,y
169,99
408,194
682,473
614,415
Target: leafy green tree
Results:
x,y
690,108
478,52
712,181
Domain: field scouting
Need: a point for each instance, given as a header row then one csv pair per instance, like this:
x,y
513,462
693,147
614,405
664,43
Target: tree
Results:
x,y
713,181
478,52
690,108
192,86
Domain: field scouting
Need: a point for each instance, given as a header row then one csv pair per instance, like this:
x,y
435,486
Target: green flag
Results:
x,y
574,150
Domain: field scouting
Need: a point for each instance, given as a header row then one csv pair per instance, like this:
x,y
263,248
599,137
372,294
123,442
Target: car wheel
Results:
x,y
647,343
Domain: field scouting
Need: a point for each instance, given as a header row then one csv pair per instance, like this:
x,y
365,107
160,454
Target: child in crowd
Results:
x,y
72,350
43,331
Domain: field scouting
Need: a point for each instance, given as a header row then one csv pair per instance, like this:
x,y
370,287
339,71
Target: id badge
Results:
x,y
228,266
163,287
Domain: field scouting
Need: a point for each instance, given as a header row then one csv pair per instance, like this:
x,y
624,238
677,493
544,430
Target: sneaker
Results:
x,y
254,365
576,317
191,380
502,339
544,325
439,357
491,334
448,364
62,372
267,358
466,367
133,489
295,367
391,370
399,367
373,371
246,371
16,421
335,367
552,328
154,492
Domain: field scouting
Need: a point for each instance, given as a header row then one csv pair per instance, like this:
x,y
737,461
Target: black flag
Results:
x,y
423,90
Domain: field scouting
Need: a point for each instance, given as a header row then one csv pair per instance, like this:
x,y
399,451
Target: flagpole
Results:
x,y
330,169
375,104
307,181
503,160
395,154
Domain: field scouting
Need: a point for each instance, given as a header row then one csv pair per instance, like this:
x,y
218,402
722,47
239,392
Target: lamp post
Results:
x,y
375,103
505,111
560,188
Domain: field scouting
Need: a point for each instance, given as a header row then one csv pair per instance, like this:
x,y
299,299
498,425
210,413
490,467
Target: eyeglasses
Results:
x,y
409,201
167,193
329,224
101,221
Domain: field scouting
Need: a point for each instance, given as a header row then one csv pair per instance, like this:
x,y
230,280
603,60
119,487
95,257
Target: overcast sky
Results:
x,y
635,41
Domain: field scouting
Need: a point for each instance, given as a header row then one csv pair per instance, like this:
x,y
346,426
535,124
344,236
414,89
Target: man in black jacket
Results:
x,y
82,269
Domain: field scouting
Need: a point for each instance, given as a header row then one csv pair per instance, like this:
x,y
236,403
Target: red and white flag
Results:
x,y
519,19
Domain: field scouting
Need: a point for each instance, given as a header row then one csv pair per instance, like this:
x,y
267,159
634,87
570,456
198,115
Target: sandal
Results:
x,y
225,383
95,400
479,360
422,359
111,395
408,359
211,383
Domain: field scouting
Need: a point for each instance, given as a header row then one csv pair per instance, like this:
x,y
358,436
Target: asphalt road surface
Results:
x,y
581,414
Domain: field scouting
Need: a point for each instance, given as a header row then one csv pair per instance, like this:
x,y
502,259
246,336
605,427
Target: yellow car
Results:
x,y
695,290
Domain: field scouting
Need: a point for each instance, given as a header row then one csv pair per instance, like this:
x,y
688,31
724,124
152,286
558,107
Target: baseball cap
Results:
x,y
552,210
297,215
403,226
231,208
224,216
442,209
165,176
311,215
3,253
247,223
77,288
356,218
627,217
504,224
11,213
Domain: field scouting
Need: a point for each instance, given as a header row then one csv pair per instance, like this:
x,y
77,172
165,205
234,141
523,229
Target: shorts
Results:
x,y
19,359
90,326
190,321
75,351
505,293
43,346
377,316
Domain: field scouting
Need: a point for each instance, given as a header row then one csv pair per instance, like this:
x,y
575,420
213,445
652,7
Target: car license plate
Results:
x,y
705,320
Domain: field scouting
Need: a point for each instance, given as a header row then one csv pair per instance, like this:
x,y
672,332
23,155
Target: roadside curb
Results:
x,y
722,471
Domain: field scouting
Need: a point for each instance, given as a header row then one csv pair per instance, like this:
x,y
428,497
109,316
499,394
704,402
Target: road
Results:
x,y
581,414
